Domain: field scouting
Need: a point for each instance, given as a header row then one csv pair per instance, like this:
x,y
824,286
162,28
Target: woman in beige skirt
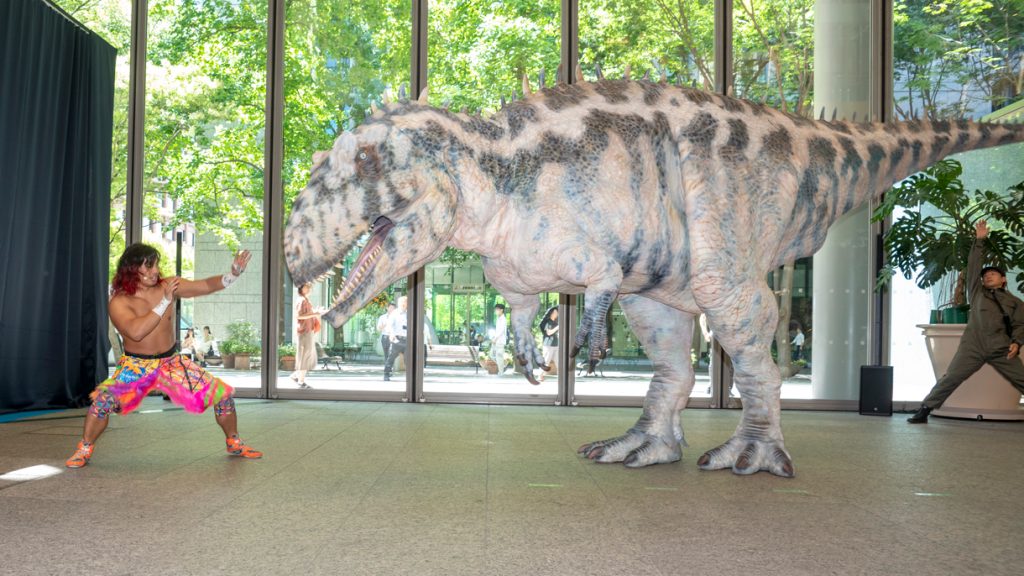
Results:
x,y
309,324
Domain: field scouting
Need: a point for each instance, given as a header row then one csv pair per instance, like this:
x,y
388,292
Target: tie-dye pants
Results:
x,y
182,380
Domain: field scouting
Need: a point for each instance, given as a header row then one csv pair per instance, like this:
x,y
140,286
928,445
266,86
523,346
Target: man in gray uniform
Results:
x,y
995,331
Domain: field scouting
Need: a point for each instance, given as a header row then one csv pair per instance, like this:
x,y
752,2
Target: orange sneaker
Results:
x,y
81,456
238,448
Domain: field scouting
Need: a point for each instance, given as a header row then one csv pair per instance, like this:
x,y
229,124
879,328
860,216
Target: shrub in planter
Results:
x,y
242,341
489,365
227,354
933,237
243,354
286,354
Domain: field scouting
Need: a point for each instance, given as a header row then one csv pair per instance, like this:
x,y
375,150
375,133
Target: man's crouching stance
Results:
x,y
141,310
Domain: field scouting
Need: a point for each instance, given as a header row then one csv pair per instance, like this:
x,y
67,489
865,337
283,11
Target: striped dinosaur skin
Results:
x,y
672,200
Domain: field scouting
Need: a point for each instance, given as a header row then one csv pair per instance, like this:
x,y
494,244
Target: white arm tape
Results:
x,y
228,279
159,308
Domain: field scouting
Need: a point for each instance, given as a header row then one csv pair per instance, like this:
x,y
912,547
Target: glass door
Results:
x,y
203,176
468,346
341,57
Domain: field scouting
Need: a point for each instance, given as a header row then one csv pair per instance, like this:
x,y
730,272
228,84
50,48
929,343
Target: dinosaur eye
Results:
x,y
368,163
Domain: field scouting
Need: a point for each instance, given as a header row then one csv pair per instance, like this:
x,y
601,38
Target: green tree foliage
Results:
x,y
959,58
479,51
677,35
340,57
205,86
773,53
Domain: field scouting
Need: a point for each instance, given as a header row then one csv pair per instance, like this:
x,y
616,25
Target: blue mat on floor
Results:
x,y
15,416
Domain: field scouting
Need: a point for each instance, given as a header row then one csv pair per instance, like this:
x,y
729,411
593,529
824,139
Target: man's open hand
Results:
x,y
981,229
240,262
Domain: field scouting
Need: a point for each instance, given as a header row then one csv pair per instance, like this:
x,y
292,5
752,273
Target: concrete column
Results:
x,y
842,281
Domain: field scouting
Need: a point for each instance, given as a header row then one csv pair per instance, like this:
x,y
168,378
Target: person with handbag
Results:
x,y
308,325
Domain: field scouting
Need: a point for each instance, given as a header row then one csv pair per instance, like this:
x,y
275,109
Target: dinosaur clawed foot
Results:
x,y
594,332
746,456
528,367
634,449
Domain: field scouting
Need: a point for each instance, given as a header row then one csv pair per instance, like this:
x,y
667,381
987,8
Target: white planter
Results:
x,y
985,395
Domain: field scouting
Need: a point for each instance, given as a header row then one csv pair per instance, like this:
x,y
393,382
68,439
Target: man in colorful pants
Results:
x,y
141,309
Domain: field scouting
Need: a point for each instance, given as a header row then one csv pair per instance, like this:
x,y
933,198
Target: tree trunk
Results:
x,y
783,284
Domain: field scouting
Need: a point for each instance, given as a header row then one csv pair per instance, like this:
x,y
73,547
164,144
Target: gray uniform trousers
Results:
x,y
969,358
986,338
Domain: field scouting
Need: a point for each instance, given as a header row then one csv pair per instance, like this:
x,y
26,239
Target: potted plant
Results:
x,y
227,354
244,353
933,237
488,364
286,354
243,342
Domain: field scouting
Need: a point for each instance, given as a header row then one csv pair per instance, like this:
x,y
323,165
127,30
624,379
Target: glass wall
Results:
x,y
625,371
773,53
674,41
204,148
958,60
802,56
341,57
466,349
203,174
478,53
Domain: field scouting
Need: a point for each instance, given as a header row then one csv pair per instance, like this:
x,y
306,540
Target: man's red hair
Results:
x,y
126,279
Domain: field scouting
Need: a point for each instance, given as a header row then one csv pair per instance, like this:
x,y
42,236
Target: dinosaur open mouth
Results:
x,y
367,258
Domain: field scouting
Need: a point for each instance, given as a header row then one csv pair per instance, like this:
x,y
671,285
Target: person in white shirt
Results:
x,y
500,337
798,345
207,344
384,327
398,330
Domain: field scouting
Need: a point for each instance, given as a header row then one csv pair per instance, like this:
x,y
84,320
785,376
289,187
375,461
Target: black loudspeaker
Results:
x,y
876,390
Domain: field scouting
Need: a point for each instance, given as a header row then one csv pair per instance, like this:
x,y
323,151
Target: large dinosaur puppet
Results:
x,y
672,200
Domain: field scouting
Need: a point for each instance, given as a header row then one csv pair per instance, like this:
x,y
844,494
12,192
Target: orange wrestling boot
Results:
x,y
81,456
238,448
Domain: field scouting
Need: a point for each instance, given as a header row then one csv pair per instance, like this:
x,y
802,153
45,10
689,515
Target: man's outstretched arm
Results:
x,y
975,260
193,288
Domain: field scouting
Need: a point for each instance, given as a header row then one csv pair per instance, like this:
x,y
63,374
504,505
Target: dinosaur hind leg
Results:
x,y
744,323
665,334
524,310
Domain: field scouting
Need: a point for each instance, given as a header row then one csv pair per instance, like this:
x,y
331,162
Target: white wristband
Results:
x,y
228,279
159,308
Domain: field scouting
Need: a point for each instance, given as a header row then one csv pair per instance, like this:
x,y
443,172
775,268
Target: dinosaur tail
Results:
x,y
883,155
913,146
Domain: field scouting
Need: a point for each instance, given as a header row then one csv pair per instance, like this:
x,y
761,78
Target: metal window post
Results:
x,y
273,196
136,123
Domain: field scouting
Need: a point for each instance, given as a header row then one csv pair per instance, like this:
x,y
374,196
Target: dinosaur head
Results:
x,y
380,190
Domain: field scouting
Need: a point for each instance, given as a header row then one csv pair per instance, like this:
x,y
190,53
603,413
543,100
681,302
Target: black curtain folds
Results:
x,y
56,116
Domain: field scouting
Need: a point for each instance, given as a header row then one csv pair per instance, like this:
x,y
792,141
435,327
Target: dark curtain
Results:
x,y
56,115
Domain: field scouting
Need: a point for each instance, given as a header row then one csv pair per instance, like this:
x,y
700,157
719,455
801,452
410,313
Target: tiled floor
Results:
x,y
381,489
